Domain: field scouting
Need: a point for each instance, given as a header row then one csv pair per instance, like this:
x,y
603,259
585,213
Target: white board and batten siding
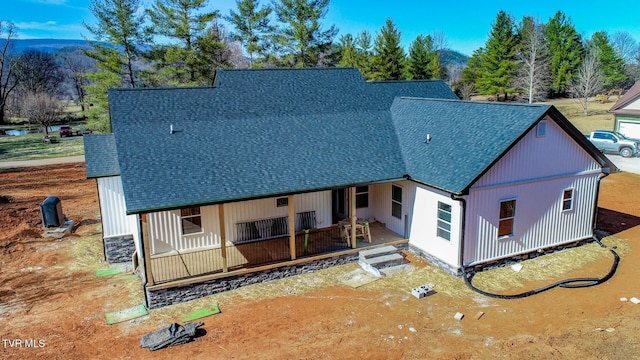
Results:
x,y
166,230
535,173
380,205
115,221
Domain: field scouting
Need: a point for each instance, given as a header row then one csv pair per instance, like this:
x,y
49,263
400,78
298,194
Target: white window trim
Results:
x,y
571,199
513,218
362,193
189,217
393,201
438,219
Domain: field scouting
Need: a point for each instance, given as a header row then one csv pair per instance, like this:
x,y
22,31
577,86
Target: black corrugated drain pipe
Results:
x,y
567,283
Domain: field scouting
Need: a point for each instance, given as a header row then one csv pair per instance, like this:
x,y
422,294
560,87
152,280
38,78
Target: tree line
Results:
x,y
183,42
540,60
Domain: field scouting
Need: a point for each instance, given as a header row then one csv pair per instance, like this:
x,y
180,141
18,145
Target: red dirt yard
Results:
x,y
52,306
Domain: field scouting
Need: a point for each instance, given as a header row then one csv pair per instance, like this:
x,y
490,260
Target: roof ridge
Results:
x,y
289,69
150,88
484,102
402,81
632,94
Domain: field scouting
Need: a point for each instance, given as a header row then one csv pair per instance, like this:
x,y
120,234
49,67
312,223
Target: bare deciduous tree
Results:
x,y
625,45
8,76
42,108
533,74
76,65
466,90
589,80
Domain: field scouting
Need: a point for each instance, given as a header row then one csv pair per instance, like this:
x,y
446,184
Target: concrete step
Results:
x,y
384,260
395,270
379,251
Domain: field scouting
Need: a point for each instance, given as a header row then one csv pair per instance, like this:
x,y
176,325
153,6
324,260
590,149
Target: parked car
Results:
x,y
614,142
66,130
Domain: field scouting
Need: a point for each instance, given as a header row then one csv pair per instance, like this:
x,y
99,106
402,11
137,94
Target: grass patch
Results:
x,y
599,117
550,267
31,146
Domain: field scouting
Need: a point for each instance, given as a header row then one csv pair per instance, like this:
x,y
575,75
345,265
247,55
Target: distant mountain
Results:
x,y
452,57
46,45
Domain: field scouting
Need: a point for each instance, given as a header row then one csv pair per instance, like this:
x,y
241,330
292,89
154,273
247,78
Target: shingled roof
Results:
x,y
630,96
263,133
101,157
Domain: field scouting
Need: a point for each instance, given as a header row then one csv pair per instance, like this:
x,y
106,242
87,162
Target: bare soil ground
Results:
x,y
50,295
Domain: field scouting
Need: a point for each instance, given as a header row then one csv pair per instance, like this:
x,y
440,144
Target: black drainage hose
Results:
x,y
567,283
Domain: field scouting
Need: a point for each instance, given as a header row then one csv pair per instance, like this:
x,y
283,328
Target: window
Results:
x,y
283,201
362,197
191,220
541,129
396,201
567,200
444,221
507,214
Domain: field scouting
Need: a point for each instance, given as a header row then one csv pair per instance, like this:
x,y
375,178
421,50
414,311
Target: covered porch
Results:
x,y
195,265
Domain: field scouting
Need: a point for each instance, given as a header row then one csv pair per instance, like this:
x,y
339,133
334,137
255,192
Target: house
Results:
x,y
251,179
627,113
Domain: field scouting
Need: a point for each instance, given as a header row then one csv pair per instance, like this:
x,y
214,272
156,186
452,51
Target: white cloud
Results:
x,y
33,25
50,2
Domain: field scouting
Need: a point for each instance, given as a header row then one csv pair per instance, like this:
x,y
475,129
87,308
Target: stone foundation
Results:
x,y
164,297
119,249
455,271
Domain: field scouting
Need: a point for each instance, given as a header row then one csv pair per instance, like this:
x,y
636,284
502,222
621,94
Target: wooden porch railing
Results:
x,y
248,254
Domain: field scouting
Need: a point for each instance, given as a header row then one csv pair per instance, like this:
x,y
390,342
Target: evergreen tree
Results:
x,y
421,56
498,62
301,37
612,64
119,26
252,27
388,56
365,56
471,73
183,22
349,53
565,49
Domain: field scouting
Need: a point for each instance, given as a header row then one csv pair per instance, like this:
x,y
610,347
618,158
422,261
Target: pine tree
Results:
x,y
349,53
183,22
421,55
119,26
498,62
252,27
301,36
565,49
388,56
612,65
365,57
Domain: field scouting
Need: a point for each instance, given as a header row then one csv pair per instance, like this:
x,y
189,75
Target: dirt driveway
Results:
x,y
51,300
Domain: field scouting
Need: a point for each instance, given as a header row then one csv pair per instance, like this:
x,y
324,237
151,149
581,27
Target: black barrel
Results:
x,y
51,212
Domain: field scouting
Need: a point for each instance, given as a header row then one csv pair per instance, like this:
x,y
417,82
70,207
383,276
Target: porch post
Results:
x,y
223,238
147,250
292,228
352,213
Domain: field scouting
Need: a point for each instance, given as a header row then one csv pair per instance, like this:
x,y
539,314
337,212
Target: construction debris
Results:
x,y
200,313
624,299
635,300
458,316
517,267
479,314
173,335
423,291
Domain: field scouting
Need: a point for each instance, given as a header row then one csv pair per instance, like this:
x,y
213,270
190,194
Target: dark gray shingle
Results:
x,y
101,157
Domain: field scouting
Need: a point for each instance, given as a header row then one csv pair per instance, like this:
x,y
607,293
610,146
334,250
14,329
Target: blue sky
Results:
x,y
465,24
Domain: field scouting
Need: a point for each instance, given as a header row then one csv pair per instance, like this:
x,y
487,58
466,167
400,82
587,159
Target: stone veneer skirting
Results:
x,y
164,297
119,249
453,270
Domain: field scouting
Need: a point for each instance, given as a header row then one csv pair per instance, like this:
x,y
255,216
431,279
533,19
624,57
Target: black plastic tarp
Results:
x,y
175,334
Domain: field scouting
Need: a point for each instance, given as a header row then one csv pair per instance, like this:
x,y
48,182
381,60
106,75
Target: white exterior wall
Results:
x,y
380,205
166,231
115,221
425,224
535,172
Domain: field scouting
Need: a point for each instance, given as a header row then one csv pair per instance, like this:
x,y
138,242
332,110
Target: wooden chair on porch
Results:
x,y
362,230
